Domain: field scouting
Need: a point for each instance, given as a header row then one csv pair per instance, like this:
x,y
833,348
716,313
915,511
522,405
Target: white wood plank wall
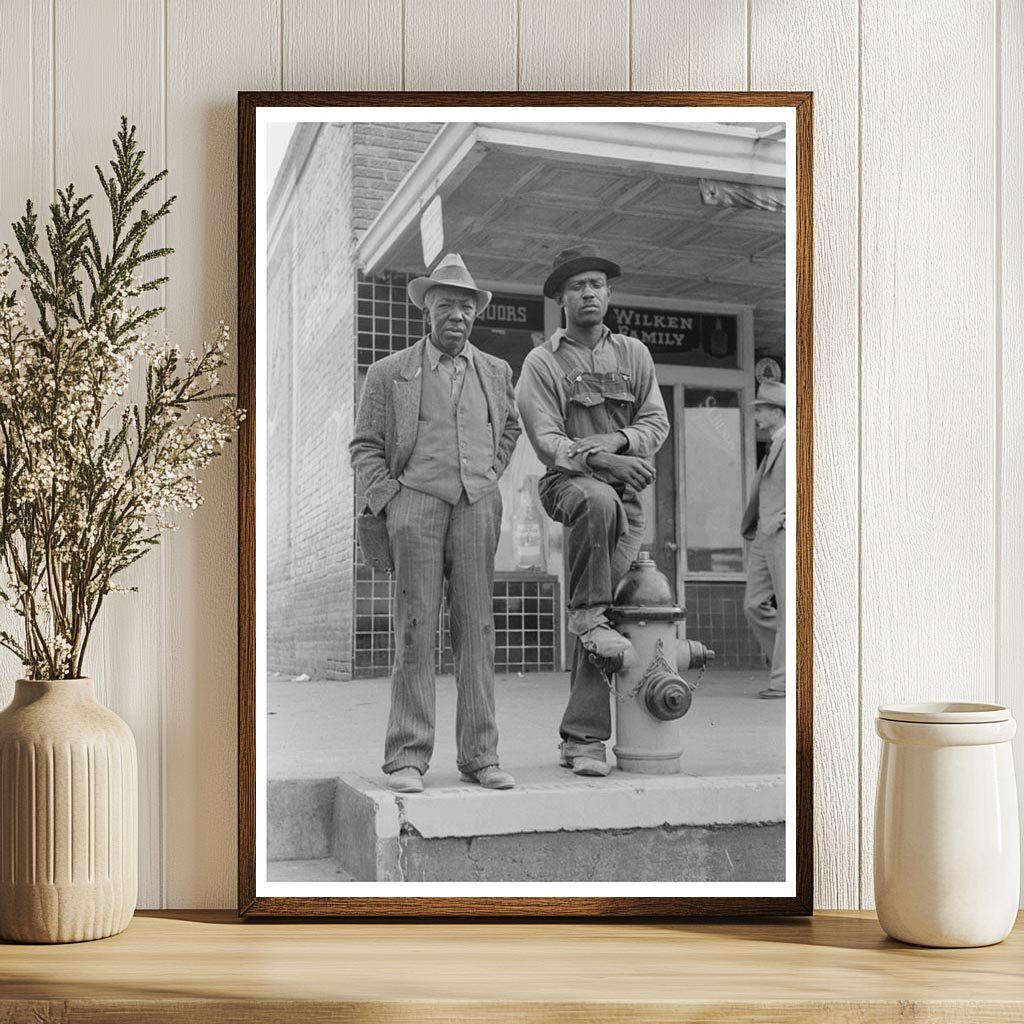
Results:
x,y
919,305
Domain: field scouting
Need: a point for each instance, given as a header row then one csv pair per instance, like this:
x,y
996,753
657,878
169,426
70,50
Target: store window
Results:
x,y
508,327
530,543
713,437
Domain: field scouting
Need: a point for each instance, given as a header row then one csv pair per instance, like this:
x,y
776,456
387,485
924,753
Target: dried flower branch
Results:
x,y
88,478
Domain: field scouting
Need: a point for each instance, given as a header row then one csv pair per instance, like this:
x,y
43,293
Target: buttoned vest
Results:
x,y
454,450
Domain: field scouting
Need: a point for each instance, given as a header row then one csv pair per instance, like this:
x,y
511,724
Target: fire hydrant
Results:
x,y
651,696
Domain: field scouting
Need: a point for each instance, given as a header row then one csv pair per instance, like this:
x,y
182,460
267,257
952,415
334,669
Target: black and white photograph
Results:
x,y
525,516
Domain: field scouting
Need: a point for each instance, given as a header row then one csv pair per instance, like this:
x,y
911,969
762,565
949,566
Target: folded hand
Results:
x,y
613,442
628,469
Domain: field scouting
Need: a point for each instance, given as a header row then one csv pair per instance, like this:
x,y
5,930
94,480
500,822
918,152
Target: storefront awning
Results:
x,y
515,194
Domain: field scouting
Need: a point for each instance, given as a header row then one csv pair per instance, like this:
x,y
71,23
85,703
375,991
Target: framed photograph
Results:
x,y
525,504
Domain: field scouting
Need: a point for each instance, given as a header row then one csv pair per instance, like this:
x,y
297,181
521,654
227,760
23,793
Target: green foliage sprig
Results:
x,y
89,478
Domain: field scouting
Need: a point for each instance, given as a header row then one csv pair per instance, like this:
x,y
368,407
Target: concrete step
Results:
x,y
552,827
324,870
721,820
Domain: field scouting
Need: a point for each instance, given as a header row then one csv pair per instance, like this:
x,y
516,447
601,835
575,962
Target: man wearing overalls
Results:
x,y
591,406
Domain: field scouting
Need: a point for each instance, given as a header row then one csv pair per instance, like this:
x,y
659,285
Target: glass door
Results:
x,y
712,438
692,513
661,533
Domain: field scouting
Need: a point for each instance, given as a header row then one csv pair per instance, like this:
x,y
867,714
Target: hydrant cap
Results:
x,y
667,697
643,586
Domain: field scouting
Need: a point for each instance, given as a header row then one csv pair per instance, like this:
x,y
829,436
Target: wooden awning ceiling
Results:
x,y
509,207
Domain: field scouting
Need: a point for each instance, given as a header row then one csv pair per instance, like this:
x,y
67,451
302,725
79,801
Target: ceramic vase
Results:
x,y
947,847
68,815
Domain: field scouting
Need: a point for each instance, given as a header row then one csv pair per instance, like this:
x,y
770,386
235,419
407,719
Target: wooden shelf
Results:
x,y
208,966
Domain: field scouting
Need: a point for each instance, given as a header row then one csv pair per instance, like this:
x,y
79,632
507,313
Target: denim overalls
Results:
x,y
596,403
603,523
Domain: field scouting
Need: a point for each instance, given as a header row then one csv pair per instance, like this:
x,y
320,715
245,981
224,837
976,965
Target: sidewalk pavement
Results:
x,y
319,729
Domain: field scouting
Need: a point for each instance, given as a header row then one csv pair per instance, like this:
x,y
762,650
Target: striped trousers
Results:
x,y
433,542
766,579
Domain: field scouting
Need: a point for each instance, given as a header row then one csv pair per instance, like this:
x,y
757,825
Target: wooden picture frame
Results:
x,y
256,896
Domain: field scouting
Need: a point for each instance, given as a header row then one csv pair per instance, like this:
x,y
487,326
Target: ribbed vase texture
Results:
x,y
68,815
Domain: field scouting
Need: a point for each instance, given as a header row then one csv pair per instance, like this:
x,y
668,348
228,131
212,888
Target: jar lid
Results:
x,y
945,713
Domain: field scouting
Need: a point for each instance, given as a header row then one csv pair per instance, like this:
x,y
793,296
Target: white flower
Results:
x,y
78,462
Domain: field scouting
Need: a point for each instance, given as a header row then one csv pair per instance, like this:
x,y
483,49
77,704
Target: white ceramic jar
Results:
x,y
947,847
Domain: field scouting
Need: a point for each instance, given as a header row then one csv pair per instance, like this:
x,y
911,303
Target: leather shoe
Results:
x,y
771,694
490,777
406,780
607,643
585,765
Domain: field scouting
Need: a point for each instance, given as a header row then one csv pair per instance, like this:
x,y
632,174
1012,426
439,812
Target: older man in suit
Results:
x,y
764,525
436,427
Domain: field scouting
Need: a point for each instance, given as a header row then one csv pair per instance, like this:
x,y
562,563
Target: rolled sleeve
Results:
x,y
633,439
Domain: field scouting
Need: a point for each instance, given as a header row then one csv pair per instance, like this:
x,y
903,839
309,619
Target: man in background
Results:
x,y
764,526
593,411
435,430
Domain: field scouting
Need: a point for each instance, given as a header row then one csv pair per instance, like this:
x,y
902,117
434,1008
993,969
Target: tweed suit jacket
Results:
x,y
766,506
388,419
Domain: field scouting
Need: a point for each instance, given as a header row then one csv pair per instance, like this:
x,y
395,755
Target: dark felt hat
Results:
x,y
575,261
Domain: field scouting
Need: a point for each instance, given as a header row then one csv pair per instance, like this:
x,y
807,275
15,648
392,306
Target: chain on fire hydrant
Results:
x,y
650,695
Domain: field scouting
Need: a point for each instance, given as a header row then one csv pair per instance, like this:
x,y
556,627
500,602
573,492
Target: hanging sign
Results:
x,y
676,336
432,230
513,312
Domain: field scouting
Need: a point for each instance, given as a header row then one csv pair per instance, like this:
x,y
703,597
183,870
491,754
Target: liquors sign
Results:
x,y
507,312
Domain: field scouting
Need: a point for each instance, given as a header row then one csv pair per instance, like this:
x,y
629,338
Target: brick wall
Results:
x,y
279,489
351,172
382,155
310,572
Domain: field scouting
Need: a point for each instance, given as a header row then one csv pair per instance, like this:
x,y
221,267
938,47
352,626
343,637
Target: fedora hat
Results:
x,y
575,261
451,271
771,392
